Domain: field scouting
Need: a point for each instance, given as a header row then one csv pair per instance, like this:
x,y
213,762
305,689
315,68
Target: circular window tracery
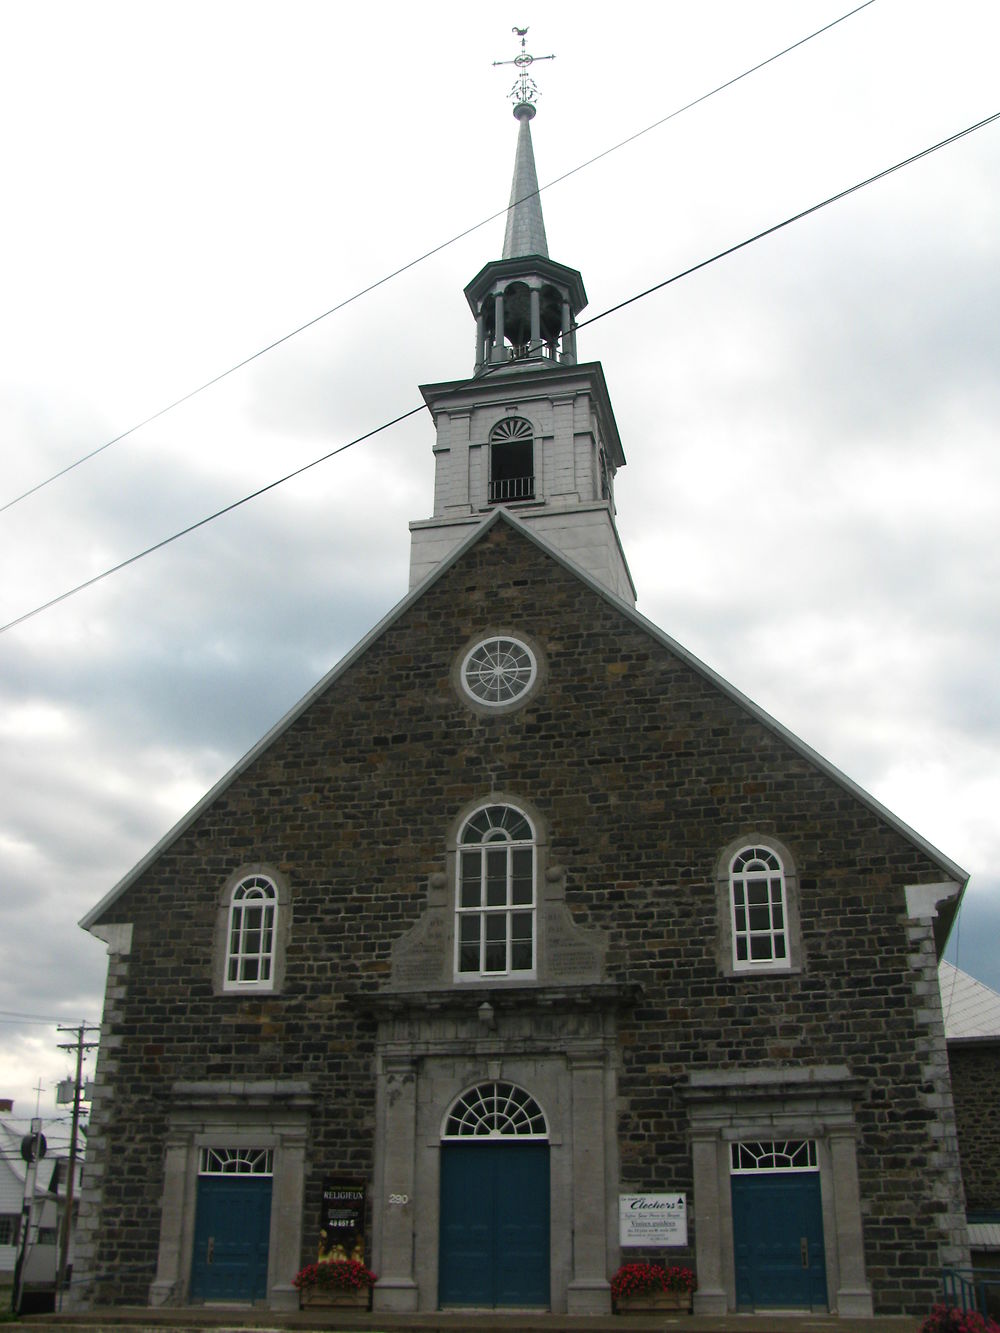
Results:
x,y
498,670
496,1110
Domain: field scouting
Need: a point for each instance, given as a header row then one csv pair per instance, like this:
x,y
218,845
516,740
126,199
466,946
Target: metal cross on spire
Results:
x,y
524,90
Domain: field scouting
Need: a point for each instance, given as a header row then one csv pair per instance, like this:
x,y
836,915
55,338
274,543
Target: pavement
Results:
x,y
229,1319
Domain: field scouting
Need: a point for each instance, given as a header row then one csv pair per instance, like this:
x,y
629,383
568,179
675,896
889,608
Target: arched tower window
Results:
x,y
496,1110
253,912
495,895
512,460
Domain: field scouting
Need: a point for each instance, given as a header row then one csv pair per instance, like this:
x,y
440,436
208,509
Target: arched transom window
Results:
x,y
757,890
495,896
253,915
496,1110
512,460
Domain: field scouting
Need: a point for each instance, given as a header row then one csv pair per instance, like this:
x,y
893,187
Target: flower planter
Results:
x,y
354,1298
641,1285
653,1300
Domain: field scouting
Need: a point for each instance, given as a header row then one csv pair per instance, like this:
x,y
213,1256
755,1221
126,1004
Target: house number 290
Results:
x,y
398,1200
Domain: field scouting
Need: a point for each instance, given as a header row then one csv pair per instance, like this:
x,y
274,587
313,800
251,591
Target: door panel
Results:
x,y
231,1234
778,1241
494,1224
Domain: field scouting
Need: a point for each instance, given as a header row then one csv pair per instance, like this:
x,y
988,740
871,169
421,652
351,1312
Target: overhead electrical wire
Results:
x,y
15,1014
428,254
796,217
377,430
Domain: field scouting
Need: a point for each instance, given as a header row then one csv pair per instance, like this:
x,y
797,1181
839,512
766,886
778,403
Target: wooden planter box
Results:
x,y
354,1298
653,1300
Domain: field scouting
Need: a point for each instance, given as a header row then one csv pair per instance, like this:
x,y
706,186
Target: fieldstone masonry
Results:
x,y
640,768
975,1079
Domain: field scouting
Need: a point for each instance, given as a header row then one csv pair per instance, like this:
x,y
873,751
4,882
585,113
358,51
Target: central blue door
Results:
x,y
778,1240
494,1224
231,1234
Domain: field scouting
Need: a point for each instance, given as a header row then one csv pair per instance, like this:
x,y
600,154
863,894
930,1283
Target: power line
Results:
x,y
33,1018
444,245
796,217
192,527
722,254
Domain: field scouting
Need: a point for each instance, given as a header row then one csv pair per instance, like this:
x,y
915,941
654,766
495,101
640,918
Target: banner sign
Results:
x,y
342,1224
652,1220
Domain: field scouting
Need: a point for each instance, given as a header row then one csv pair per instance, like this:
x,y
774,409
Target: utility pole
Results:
x,y
32,1149
79,1045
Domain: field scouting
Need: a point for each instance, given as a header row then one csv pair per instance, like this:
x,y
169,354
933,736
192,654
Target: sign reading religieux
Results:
x,y
652,1219
342,1225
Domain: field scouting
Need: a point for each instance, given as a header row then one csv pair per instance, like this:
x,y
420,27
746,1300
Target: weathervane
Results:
x,y
524,90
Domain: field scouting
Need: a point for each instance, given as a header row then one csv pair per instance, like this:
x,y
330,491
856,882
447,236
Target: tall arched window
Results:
x,y
495,894
757,889
512,460
253,912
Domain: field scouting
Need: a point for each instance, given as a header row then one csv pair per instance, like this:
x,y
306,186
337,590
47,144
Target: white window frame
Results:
x,y
498,670
751,1157
236,1161
498,919
251,893
498,1109
757,866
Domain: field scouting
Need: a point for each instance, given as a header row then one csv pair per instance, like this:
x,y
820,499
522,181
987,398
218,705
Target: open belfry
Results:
x,y
525,946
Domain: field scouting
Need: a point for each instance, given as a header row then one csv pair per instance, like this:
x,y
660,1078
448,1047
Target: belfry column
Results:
x,y
498,352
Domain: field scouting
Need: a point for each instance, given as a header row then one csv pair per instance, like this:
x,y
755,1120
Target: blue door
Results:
x,y
494,1224
778,1240
232,1226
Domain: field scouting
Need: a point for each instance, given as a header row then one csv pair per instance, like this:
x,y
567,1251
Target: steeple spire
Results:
x,y
525,304
525,229
525,233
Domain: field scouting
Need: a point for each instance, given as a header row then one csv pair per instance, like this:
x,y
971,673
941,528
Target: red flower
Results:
x,y
948,1319
338,1274
633,1278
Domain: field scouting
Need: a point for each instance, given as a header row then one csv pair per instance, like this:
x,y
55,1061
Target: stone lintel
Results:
x,y
243,1093
607,996
820,1082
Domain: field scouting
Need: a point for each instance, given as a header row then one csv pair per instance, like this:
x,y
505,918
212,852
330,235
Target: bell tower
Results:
x,y
533,430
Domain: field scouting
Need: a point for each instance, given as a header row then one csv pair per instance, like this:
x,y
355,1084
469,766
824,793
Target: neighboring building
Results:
x,y
972,1027
42,1248
11,1198
522,910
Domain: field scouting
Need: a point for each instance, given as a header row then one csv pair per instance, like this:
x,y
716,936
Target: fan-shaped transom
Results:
x,y
496,1110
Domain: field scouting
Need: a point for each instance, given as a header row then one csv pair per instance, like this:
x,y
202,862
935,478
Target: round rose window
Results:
x,y
498,671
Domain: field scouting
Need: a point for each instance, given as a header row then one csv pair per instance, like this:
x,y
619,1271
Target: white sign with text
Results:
x,y
652,1219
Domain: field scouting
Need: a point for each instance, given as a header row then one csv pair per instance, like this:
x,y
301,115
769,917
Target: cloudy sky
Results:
x,y
813,484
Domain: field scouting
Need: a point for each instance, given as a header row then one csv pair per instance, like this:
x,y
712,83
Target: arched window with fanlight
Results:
x,y
495,895
495,1110
253,911
512,461
760,927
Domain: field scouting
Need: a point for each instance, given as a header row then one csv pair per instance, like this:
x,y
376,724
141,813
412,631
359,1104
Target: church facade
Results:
x,y
526,938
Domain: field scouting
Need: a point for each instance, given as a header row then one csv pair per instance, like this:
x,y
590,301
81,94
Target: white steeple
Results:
x,y
532,430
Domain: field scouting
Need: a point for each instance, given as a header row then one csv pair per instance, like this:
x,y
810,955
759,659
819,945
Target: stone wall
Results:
x,y
975,1079
643,771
